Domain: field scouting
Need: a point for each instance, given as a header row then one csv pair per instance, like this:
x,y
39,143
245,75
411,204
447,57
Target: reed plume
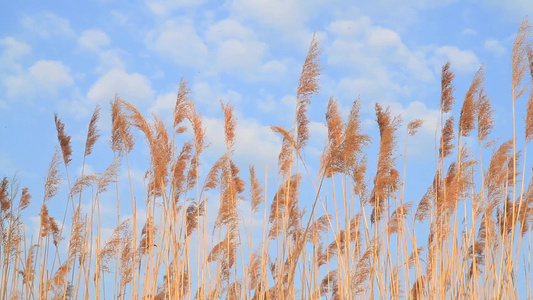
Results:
x,y
307,87
529,111
231,188
318,228
332,160
25,198
49,226
397,218
127,261
229,125
254,271
161,152
354,141
121,138
484,115
363,270
285,205
256,191
447,88
344,150
285,158
28,271
179,169
5,201
212,179
53,180
147,236
199,145
82,183
224,252
519,65
64,140
529,119
447,137
194,211
467,117
92,132
413,126
330,284
109,251
182,107
386,179
496,177
109,176
418,291
78,234
159,143
424,206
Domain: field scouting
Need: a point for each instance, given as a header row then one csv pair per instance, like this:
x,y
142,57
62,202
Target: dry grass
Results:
x,y
468,237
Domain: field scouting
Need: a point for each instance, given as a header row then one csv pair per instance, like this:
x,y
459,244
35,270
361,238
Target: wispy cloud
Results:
x,y
47,25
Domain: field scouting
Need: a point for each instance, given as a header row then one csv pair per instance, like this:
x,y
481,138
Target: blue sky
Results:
x,y
68,56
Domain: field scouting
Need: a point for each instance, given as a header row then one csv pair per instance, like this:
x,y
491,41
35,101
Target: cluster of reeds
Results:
x,y
355,238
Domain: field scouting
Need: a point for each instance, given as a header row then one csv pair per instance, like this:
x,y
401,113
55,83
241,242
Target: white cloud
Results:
x,y
75,108
96,41
238,51
164,106
401,15
180,42
93,40
378,85
13,49
276,13
266,105
132,87
513,8
78,107
228,47
9,166
44,76
119,17
289,101
51,74
374,49
228,29
377,62
110,59
468,31
318,135
209,96
463,61
287,17
17,86
47,24
240,56
423,4
495,47
346,28
381,37
274,70
165,7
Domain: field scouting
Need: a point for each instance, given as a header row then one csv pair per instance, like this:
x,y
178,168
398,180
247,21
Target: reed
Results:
x,y
326,234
